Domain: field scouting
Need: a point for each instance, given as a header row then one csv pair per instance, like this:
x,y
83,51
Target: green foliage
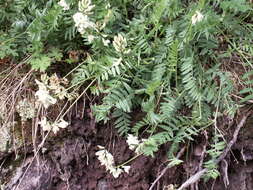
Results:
x,y
170,73
43,61
28,26
6,47
248,90
235,6
190,82
214,152
122,122
156,66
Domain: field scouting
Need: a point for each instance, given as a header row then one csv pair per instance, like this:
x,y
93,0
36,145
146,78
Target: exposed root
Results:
x,y
193,179
180,153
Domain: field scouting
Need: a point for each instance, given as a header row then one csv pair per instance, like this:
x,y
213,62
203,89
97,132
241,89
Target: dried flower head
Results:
x,y
106,159
52,88
54,82
170,187
43,95
59,124
26,109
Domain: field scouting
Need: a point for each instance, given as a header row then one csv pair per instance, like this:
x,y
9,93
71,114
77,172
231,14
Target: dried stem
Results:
x,y
180,153
199,174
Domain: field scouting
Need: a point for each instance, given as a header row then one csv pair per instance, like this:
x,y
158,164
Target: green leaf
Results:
x,y
40,63
235,5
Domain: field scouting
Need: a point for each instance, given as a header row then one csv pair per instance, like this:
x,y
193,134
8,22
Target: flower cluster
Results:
x,y
106,159
55,126
51,88
81,19
82,22
64,5
132,142
135,144
120,44
197,17
90,38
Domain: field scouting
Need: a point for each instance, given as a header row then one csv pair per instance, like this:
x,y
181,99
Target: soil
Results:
x,y
68,161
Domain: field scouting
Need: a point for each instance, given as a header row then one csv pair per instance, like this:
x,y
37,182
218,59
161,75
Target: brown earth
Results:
x,y
68,161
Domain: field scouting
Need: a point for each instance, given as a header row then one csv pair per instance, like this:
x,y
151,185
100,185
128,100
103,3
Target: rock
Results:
x,y
31,176
8,142
5,138
103,185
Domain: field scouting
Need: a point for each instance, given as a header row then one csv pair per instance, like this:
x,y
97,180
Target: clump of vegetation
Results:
x,y
168,60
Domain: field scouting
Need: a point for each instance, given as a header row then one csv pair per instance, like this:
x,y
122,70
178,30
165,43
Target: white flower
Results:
x,y
43,95
63,4
197,17
108,6
132,142
126,168
46,126
60,124
82,22
117,61
116,172
105,42
106,159
80,18
55,127
139,149
119,43
135,144
90,38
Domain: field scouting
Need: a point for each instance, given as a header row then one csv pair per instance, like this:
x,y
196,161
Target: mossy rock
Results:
x,y
7,142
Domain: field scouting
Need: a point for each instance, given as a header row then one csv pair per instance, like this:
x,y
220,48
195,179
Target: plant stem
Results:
x,y
130,160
